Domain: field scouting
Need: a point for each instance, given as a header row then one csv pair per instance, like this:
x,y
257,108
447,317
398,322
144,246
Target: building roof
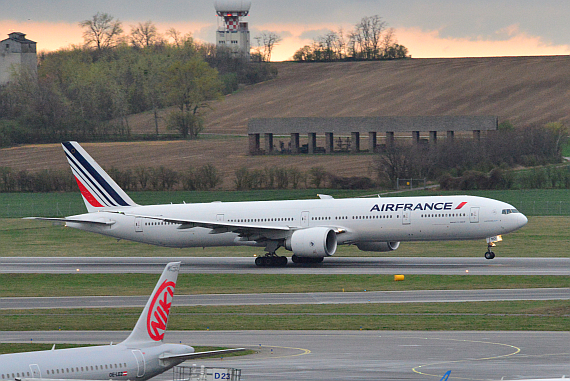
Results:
x,y
19,37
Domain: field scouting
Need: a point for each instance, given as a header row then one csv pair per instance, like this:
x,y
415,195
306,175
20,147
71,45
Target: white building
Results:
x,y
17,53
233,33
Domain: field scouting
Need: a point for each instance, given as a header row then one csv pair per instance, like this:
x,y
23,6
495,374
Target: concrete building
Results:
x,y
233,33
431,127
16,53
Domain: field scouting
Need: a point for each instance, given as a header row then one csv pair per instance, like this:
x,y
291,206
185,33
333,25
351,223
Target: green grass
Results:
x,y
53,285
520,315
541,237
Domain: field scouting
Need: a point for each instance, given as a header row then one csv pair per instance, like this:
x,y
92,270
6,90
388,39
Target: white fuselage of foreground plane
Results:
x,y
356,220
109,362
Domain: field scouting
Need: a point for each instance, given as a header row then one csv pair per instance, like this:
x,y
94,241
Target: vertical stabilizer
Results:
x,y
151,326
97,187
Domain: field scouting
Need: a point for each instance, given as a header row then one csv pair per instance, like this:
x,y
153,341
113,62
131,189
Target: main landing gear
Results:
x,y
297,259
271,260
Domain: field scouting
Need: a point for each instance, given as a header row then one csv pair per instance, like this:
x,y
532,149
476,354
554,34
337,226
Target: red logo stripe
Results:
x,y
461,205
87,195
158,312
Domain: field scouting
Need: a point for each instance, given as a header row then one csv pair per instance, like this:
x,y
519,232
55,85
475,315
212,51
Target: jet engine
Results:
x,y
378,246
317,242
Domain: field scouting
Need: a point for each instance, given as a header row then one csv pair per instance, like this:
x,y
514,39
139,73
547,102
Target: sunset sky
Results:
x,y
435,28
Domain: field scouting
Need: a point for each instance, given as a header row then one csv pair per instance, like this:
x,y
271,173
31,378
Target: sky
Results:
x,y
434,28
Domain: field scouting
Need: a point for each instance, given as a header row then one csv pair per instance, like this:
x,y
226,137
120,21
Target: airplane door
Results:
x,y
219,217
304,219
138,225
140,362
35,371
474,215
406,217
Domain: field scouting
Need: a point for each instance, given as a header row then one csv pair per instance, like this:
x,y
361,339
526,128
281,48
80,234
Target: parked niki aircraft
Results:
x,y
141,356
311,229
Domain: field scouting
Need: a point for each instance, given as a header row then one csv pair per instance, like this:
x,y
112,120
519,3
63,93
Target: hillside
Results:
x,y
524,90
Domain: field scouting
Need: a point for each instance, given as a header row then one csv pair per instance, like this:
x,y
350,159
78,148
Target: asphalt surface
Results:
x,y
420,296
334,355
363,355
332,265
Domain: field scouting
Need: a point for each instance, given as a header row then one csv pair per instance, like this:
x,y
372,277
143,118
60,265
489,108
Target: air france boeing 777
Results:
x,y
141,356
311,229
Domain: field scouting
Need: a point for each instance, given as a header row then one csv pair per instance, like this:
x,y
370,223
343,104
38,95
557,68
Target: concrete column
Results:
x,y
268,142
433,137
312,143
416,137
372,141
355,137
329,142
389,139
477,134
294,142
450,136
253,144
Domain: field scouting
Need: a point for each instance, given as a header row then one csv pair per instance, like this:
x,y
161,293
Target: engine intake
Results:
x,y
312,242
378,246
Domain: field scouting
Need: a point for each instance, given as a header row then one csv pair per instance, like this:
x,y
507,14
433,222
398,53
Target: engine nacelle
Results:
x,y
312,242
378,246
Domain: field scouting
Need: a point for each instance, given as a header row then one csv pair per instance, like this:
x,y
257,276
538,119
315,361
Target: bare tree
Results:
x,y
102,31
265,44
367,36
178,38
144,35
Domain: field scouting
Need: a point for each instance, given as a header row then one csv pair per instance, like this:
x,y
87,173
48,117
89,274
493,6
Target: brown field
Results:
x,y
524,90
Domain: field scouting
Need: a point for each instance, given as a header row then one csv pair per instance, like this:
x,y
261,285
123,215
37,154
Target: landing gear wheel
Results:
x,y
306,260
489,255
271,261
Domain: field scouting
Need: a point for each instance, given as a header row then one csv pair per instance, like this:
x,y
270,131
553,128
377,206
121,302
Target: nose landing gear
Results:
x,y
490,244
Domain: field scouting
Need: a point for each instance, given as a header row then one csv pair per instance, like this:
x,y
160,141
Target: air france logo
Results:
x,y
159,309
418,206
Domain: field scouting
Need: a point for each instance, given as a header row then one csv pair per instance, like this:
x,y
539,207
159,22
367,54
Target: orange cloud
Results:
x,y
48,35
430,44
420,43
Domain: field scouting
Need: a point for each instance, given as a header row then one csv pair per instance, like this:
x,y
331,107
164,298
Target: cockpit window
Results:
x,y
509,211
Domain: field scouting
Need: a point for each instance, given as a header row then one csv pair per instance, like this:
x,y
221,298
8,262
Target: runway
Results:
x,y
363,355
332,265
334,355
418,296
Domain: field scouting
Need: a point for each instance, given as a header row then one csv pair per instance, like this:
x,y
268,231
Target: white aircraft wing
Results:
x,y
252,232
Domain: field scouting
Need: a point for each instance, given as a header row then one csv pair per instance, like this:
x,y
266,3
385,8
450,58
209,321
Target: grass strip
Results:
x,y
517,315
51,285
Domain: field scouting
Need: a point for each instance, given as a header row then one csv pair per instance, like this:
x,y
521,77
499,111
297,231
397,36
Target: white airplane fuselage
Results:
x,y
361,220
108,362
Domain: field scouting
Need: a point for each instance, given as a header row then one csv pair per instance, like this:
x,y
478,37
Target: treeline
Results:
x,y
506,148
87,93
206,177
371,39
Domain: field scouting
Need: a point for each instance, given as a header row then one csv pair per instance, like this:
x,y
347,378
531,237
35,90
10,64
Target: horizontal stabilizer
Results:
x,y
98,221
193,355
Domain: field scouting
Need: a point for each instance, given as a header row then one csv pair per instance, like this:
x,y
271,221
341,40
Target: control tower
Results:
x,y
233,33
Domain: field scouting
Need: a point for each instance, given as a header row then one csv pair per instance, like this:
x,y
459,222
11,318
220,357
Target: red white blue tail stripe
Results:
x,y
96,186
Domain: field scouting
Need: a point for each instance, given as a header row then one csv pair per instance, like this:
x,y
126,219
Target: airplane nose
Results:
x,y
521,220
